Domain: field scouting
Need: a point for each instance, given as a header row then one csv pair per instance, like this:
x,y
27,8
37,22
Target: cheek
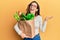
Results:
x,y
30,7
35,9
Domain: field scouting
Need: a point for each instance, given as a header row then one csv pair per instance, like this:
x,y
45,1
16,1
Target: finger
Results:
x,y
50,17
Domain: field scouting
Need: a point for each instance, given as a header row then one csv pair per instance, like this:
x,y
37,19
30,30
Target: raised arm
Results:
x,y
42,25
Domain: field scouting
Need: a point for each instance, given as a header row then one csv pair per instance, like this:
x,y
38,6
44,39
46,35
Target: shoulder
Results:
x,y
39,17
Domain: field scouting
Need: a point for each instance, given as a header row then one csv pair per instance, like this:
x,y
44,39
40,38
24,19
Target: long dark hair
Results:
x,y
38,7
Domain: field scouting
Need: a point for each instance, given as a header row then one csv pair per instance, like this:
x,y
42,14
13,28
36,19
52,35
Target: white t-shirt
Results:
x,y
38,24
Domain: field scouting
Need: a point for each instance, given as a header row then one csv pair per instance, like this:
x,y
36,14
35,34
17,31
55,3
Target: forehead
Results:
x,y
34,4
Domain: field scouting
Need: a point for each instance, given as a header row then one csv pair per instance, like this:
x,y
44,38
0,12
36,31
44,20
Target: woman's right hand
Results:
x,y
24,35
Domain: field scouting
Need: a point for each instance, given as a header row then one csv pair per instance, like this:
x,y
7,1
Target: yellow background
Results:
x,y
48,8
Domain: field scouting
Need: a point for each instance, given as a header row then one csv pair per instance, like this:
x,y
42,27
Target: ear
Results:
x,y
36,9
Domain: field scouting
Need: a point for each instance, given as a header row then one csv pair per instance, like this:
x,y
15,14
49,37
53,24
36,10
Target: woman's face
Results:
x,y
33,7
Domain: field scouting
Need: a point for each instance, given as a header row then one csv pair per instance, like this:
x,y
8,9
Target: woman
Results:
x,y
34,8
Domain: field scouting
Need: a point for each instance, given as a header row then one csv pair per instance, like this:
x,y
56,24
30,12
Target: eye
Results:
x,y
34,6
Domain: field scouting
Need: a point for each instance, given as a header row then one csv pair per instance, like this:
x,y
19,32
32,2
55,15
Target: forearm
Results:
x,y
17,29
44,25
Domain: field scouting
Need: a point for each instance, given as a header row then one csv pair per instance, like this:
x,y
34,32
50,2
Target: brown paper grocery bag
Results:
x,y
26,27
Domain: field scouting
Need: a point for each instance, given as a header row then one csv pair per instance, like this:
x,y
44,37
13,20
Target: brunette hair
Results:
x,y
38,7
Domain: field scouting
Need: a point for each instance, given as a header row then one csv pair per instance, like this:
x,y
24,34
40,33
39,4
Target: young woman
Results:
x,y
34,8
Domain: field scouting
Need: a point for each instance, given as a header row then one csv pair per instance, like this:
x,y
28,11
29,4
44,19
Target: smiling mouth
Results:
x,y
31,10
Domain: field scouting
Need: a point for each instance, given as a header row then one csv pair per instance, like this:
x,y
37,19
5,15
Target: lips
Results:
x,y
31,10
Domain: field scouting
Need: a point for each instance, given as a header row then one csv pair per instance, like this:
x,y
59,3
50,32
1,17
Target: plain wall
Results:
x,y
48,8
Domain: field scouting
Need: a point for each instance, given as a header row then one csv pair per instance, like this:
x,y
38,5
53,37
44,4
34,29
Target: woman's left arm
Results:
x,y
42,25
